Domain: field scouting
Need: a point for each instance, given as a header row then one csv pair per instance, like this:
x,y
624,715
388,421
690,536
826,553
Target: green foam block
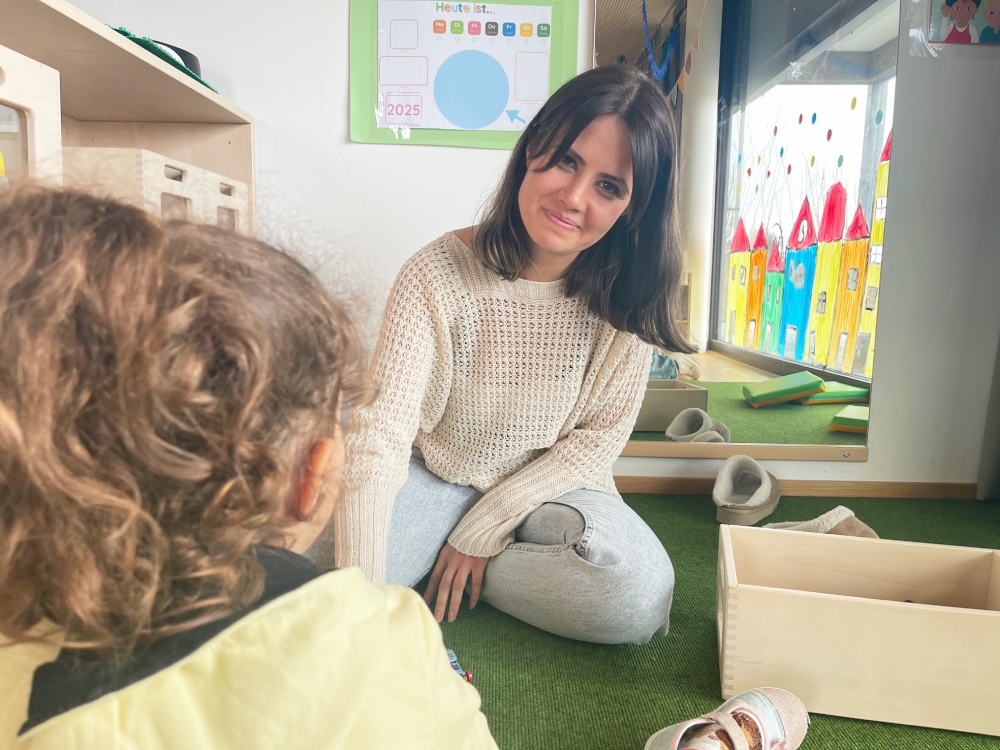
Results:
x,y
835,392
851,419
785,388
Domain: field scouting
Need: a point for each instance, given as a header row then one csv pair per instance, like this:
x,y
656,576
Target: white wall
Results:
x,y
358,210
363,209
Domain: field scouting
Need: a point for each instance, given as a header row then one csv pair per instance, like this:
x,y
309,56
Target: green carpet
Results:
x,y
543,691
786,424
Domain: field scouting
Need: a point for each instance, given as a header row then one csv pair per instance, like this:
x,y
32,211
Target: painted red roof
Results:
x,y
887,151
760,241
831,227
741,243
774,259
809,236
859,228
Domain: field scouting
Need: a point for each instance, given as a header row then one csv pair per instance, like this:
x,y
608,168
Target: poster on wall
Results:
x,y
965,22
456,73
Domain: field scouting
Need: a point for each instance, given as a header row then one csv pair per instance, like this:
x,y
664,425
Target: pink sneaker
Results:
x,y
761,719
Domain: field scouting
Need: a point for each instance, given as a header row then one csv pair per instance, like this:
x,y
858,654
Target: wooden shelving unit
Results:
x,y
116,94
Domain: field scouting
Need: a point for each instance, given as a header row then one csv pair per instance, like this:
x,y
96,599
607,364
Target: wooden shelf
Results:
x,y
106,77
115,94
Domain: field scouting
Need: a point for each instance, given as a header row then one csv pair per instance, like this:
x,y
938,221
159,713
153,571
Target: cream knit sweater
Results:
x,y
506,386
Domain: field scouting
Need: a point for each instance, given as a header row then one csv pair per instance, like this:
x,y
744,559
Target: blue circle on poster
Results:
x,y
471,89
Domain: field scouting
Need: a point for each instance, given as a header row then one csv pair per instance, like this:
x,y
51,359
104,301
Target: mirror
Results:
x,y
804,146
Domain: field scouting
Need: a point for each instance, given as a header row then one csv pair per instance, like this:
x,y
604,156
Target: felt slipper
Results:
x,y
690,423
840,520
744,492
709,437
766,718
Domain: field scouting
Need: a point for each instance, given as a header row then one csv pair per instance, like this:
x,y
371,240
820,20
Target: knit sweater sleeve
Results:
x,y
410,353
588,449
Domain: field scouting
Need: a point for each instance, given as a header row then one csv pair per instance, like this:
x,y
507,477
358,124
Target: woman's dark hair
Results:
x,y
630,275
160,386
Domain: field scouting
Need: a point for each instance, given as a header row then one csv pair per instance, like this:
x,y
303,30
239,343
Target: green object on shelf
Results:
x,y
785,388
160,52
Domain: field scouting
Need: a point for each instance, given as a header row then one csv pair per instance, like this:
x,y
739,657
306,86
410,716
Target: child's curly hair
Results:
x,y
160,386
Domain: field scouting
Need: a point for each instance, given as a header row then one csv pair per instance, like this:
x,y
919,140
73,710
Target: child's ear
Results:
x,y
312,475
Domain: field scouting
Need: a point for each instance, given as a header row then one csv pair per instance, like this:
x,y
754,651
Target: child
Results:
x,y
956,21
169,439
512,361
991,15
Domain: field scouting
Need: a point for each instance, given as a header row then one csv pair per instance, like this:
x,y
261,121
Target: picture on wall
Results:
x,y
460,73
965,22
462,66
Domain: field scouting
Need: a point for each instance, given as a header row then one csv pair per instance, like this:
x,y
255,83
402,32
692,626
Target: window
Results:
x,y
871,297
806,92
875,258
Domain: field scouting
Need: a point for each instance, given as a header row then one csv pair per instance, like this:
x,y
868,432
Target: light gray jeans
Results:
x,y
583,566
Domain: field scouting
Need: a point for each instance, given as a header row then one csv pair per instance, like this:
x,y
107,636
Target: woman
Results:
x,y
513,358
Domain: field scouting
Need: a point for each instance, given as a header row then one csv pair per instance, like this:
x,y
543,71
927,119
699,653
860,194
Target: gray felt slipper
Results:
x,y
744,492
840,520
689,424
709,437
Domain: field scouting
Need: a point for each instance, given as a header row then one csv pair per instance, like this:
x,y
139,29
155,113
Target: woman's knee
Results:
x,y
637,600
560,591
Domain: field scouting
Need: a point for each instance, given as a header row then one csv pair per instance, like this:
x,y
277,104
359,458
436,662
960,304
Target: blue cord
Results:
x,y
658,70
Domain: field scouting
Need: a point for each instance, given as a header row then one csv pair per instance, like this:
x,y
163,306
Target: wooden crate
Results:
x,y
166,187
664,400
867,628
32,89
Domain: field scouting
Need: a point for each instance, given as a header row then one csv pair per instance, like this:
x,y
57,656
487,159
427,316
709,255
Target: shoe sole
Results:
x,y
735,515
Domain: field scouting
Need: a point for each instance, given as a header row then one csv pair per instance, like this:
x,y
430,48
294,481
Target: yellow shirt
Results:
x,y
337,663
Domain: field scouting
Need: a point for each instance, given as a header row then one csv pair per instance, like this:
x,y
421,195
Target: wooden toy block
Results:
x,y
865,628
798,385
851,419
664,400
835,392
165,187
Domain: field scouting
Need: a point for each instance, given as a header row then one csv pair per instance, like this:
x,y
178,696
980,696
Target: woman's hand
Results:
x,y
448,579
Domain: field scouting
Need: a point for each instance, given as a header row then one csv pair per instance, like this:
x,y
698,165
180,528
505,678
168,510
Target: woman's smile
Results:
x,y
572,204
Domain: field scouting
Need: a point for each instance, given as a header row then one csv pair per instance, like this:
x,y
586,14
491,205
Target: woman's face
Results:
x,y
567,208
